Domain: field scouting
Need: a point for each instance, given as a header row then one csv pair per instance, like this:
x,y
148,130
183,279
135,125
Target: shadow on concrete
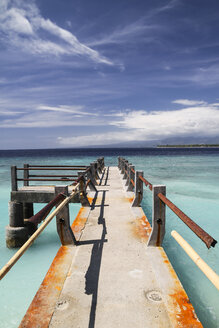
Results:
x,y
93,272
104,183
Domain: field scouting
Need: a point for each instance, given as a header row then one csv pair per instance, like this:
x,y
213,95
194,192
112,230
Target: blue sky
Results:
x,y
82,73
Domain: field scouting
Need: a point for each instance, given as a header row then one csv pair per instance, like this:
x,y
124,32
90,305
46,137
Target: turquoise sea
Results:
x,y
192,180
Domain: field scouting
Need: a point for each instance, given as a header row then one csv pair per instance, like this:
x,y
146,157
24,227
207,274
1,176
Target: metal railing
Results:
x,y
135,181
160,201
61,200
81,170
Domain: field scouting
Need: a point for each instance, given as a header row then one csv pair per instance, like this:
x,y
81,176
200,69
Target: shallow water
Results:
x,y
192,180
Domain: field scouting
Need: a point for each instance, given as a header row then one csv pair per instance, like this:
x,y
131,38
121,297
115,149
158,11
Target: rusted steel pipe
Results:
x,y
40,216
51,168
54,176
132,182
76,166
203,235
29,242
64,179
146,182
133,170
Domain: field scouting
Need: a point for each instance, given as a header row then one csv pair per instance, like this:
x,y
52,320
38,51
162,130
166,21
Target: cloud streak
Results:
x,y
25,28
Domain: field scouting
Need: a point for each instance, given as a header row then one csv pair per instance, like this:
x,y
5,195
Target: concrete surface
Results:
x,y
114,280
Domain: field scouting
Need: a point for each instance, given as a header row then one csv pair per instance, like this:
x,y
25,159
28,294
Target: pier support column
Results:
x,y
138,189
27,210
16,232
158,217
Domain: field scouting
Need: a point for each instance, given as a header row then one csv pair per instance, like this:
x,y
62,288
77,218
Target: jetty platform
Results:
x,y
111,277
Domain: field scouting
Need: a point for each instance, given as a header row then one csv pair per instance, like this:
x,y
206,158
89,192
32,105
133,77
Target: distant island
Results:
x,y
188,146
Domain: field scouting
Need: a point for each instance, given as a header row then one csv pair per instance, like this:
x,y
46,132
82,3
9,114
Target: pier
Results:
x,y
111,269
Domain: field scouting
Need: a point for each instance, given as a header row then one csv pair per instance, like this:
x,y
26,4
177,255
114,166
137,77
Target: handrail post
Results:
x,y
93,174
138,189
122,165
158,217
26,174
99,166
96,170
27,207
125,169
119,162
92,182
102,163
82,193
13,178
128,175
132,177
63,221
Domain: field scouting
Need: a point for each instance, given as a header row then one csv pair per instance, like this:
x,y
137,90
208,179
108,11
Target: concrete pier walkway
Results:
x,y
111,279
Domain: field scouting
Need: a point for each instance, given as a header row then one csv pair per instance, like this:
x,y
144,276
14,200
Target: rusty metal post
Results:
x,y
119,163
99,166
91,181
63,221
26,174
125,169
93,174
27,207
132,178
82,193
129,174
96,170
13,178
138,189
123,166
158,217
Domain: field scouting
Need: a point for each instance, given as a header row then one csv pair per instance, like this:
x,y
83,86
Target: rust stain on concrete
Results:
x,y
180,308
130,199
90,199
43,305
141,228
79,222
183,311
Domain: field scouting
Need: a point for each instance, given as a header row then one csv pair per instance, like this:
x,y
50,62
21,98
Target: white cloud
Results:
x,y
197,120
95,139
187,102
157,125
127,33
15,20
22,24
67,109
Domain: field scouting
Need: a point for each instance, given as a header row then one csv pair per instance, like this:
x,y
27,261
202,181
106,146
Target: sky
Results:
x,y
81,73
